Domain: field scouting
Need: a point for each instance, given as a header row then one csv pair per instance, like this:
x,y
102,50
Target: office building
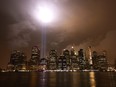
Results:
x,y
95,60
66,54
62,65
74,60
17,61
81,58
35,58
52,60
102,62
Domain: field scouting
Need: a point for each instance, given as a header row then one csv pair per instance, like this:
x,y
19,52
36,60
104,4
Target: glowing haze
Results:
x,y
44,12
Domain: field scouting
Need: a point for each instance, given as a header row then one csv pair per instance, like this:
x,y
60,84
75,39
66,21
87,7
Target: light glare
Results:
x,y
45,14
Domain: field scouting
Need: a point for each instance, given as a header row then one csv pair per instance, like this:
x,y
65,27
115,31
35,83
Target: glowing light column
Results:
x,y
45,16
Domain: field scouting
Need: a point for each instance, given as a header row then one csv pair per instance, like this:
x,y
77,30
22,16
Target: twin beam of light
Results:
x,y
43,42
45,14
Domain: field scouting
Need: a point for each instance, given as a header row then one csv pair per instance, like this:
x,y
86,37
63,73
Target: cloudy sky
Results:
x,y
77,22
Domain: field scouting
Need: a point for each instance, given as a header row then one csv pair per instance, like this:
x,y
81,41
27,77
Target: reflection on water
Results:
x,y
52,77
58,79
75,80
33,80
92,79
43,80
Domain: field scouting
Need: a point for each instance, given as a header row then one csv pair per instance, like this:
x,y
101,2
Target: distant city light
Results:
x,y
69,61
72,47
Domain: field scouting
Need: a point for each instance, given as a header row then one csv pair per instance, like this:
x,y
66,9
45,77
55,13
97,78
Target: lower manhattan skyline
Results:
x,y
77,23
68,60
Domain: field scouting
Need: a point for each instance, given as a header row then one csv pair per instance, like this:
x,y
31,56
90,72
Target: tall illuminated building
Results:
x,y
95,58
52,60
66,54
35,55
102,62
62,65
90,55
81,59
35,58
17,60
72,51
74,61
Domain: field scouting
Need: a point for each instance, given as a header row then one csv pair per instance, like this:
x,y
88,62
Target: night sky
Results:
x,y
80,23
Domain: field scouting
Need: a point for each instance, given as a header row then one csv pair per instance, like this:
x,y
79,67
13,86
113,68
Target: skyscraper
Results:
x,y
17,61
35,55
82,62
90,55
52,60
95,59
102,62
62,65
74,61
35,58
66,54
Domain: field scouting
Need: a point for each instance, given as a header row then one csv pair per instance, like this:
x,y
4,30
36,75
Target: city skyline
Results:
x,y
70,59
79,23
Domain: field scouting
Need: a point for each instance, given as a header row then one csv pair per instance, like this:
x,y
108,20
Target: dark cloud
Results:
x,y
80,23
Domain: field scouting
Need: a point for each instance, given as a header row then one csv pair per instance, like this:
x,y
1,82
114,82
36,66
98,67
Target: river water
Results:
x,y
58,79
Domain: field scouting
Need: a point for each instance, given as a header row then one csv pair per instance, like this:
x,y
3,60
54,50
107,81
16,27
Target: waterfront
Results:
x,y
58,79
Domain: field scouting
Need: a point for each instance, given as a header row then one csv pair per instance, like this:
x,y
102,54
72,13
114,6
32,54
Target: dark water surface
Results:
x,y
58,79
